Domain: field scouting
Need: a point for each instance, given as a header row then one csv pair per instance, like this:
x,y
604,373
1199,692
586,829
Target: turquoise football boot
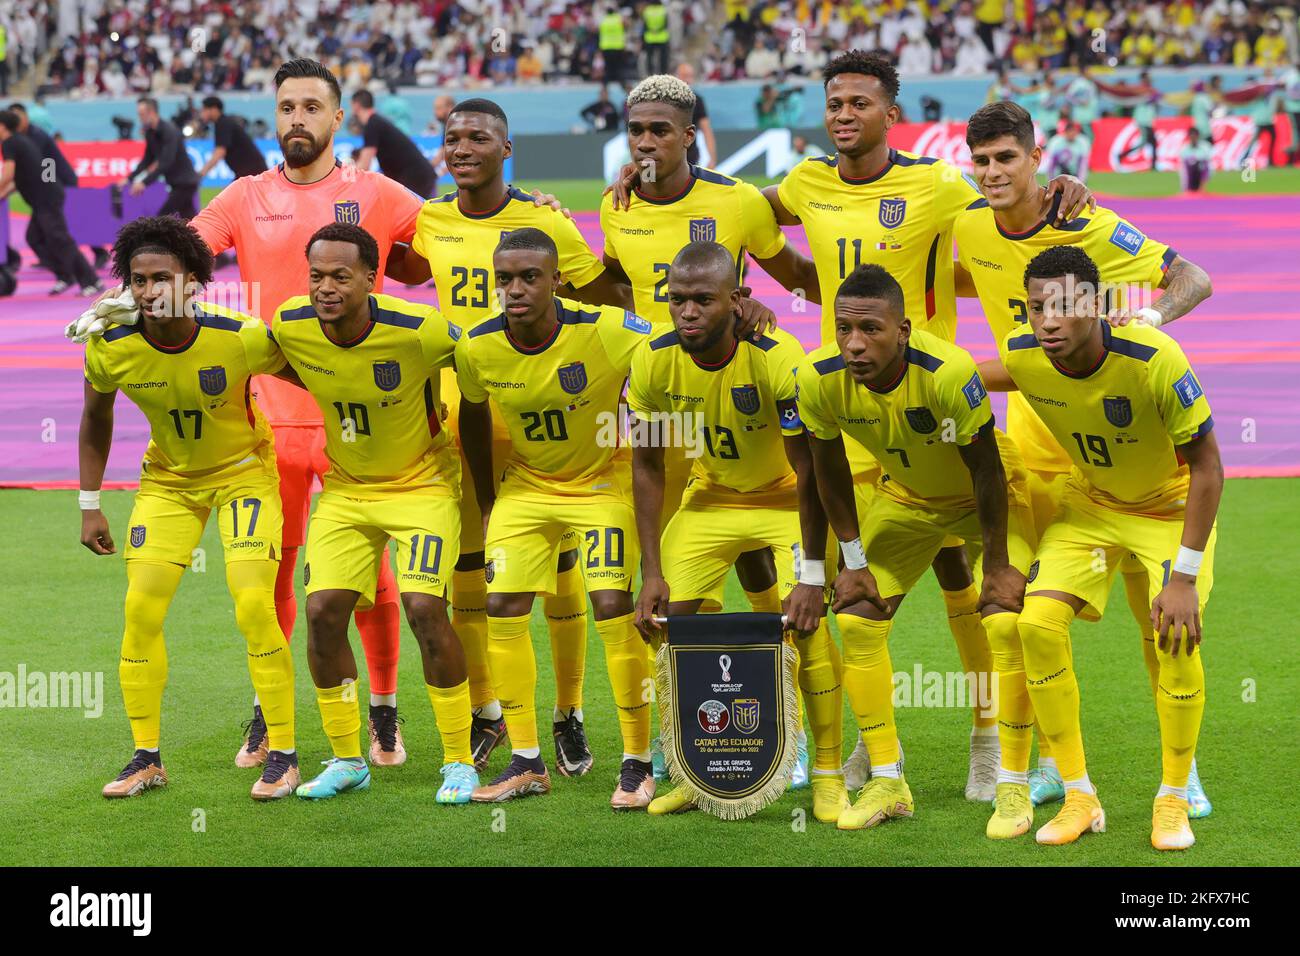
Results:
x,y
458,782
799,778
658,766
338,777
1198,804
1046,786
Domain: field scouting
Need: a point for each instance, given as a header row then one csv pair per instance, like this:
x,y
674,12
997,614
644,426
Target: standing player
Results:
x,y
457,234
917,404
371,362
996,237
187,365
1147,482
555,371
744,494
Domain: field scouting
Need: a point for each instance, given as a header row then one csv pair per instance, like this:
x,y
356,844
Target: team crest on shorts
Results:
x,y
746,713
137,535
713,716
745,398
704,230
348,212
573,377
921,419
1033,572
388,375
1119,410
212,379
892,212
306,575
489,572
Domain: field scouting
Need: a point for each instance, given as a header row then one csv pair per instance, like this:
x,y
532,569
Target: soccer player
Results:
x,y
371,362
917,404
187,365
554,370
996,237
1147,480
457,233
744,496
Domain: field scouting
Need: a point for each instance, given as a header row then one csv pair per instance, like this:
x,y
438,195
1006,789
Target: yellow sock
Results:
x,y
869,682
514,672
566,617
1135,590
629,677
142,668
469,621
1045,636
452,714
340,715
972,642
1015,715
765,602
821,680
270,665
1180,703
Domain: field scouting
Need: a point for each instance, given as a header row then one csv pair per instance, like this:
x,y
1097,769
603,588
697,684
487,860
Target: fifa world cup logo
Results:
x,y
725,662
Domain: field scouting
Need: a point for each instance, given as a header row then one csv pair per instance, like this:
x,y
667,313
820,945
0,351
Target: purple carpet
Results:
x,y
1244,342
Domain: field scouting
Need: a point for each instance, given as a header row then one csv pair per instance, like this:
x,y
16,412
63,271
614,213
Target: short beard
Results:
x,y
297,155
695,348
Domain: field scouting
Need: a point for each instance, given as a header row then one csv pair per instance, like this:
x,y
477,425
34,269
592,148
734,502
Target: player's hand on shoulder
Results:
x,y
755,318
95,534
651,602
1075,196
1177,609
857,587
804,608
1004,587
624,183
546,199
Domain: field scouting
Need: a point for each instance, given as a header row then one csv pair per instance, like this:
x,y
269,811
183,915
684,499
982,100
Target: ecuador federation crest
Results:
x,y
137,535
892,212
573,377
388,375
704,230
212,379
745,398
921,419
745,713
1119,410
348,211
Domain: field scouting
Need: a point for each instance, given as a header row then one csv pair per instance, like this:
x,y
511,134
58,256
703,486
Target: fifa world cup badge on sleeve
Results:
x,y
729,713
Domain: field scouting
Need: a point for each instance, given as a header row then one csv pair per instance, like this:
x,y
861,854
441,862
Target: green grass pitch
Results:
x,y
63,612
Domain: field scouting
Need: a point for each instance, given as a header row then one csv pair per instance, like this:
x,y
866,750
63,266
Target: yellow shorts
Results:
x,y
1087,543
167,523
527,532
347,536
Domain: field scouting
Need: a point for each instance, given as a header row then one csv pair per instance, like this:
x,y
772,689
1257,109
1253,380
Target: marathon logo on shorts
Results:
x,y
573,377
137,536
388,375
1119,410
745,398
892,212
1033,573
974,391
212,379
704,230
1188,389
348,212
921,419
1127,238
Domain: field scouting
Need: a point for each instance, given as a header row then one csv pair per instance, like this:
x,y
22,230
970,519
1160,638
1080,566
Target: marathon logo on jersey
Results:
x,y
921,419
745,398
212,379
745,713
892,212
137,536
388,375
974,391
348,212
704,230
1188,389
573,377
1127,238
1119,410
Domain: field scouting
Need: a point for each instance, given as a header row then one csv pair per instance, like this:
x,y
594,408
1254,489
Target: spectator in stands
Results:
x,y
166,158
972,57
399,157
700,120
613,47
915,57
988,19
764,60
1194,161
654,36
231,142
602,115
1067,153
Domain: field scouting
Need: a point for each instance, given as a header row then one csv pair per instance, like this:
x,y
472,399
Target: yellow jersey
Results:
x,y
739,410
560,400
646,237
996,260
377,395
203,422
913,427
1123,421
901,219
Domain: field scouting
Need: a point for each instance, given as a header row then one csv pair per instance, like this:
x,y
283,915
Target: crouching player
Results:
x,y
187,365
372,362
1126,405
917,404
743,493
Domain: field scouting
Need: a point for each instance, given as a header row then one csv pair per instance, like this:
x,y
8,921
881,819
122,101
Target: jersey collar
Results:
x,y
706,367
560,312
889,164
486,215
172,349
360,338
336,165
884,389
1105,350
1019,236
690,184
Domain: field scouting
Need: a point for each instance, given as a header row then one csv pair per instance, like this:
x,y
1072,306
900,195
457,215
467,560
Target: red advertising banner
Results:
x,y
103,163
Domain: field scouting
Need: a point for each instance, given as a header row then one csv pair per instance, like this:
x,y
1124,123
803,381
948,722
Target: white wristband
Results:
x,y
1188,561
1151,317
88,500
812,572
855,556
